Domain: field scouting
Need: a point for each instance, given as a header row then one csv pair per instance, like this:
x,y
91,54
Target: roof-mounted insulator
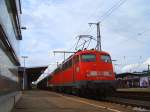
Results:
x,y
85,48
79,50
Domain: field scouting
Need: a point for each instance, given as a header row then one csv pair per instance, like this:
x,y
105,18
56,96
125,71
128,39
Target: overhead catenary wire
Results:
x,y
112,9
116,6
105,15
88,29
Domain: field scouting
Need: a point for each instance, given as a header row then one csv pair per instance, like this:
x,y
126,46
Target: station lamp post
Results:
x,y
24,59
148,68
24,71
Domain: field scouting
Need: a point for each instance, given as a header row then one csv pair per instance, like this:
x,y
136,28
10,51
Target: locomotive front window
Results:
x,y
106,58
88,58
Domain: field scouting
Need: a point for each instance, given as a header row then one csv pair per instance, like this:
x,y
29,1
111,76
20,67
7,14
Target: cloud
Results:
x,y
53,25
139,67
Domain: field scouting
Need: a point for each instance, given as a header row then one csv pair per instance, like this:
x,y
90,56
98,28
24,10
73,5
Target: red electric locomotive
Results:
x,y
85,72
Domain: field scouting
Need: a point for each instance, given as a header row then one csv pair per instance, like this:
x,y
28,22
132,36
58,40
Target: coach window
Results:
x,y
49,78
105,58
70,63
67,64
63,66
88,58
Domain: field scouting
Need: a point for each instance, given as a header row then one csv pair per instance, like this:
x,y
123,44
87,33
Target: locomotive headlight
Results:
x,y
77,69
99,73
93,73
107,73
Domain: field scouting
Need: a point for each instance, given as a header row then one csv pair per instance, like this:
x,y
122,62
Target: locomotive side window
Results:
x,y
105,58
88,58
76,59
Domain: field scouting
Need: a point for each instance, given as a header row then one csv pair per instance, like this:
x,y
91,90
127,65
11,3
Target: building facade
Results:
x,y
133,80
10,35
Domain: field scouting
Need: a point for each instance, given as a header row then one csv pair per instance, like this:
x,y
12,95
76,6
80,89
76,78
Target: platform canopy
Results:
x,y
47,72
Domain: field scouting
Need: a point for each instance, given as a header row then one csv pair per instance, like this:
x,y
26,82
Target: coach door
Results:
x,y
75,67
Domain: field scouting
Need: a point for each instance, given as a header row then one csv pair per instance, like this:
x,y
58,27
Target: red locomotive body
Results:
x,y
85,71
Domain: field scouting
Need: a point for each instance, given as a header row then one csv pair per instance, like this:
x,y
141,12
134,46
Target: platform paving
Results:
x,y
46,101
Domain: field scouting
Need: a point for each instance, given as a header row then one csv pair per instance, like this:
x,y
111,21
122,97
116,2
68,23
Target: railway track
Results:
x,y
143,96
139,100
136,104
129,102
135,99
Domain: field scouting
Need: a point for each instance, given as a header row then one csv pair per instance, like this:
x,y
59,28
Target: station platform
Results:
x,y
46,101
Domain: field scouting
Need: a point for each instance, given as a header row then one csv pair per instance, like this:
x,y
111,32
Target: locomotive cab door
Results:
x,y
75,67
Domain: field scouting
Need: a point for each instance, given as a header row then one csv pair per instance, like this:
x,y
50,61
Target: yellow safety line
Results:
x,y
98,106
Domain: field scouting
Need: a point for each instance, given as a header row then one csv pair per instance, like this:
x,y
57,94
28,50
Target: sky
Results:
x,y
55,24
